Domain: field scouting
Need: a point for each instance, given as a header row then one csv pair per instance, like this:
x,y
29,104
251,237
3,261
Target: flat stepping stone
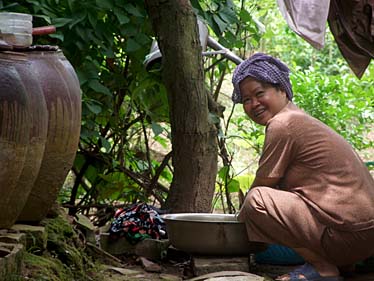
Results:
x,y
152,249
204,265
272,270
118,246
4,251
169,277
36,236
122,271
12,262
235,278
103,256
13,238
150,266
229,275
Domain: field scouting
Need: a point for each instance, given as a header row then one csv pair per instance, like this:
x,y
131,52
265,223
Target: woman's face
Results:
x,y
261,101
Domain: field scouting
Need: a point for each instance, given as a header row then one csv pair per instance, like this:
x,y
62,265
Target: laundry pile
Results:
x,y
138,222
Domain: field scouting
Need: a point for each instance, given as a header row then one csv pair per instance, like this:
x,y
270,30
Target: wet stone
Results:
x,y
87,228
36,236
152,249
13,238
150,266
10,260
271,270
123,271
229,275
235,278
169,277
104,257
4,252
116,247
204,265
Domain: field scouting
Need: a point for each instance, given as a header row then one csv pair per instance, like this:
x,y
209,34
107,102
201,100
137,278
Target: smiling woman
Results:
x,y
261,101
312,192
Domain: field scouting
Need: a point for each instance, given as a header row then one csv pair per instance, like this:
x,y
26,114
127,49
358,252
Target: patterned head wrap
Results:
x,y
263,68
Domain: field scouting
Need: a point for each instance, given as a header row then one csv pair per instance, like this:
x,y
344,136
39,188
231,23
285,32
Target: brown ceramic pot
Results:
x,y
23,132
62,94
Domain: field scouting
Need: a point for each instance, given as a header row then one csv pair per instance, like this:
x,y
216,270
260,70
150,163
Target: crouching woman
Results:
x,y
312,192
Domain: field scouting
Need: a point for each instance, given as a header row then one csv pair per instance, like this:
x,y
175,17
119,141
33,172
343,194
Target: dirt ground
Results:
x,y
132,270
138,273
179,268
134,273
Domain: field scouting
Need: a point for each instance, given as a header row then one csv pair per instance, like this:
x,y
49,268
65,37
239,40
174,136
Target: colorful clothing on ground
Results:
x,y
138,222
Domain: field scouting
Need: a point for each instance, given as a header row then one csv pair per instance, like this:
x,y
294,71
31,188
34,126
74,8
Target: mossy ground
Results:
x,y
64,259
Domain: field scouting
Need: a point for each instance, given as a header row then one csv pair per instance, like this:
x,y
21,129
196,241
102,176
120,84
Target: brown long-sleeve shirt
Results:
x,y
314,162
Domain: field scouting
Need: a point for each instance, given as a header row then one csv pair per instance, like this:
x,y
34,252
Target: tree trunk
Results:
x,y
193,136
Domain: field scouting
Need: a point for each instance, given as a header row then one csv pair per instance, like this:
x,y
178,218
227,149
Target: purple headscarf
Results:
x,y
263,68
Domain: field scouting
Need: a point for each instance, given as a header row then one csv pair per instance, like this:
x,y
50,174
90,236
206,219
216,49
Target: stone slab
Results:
x,y
271,270
205,265
152,249
102,256
228,275
235,278
11,264
150,266
149,248
13,238
121,270
169,277
84,224
116,247
36,236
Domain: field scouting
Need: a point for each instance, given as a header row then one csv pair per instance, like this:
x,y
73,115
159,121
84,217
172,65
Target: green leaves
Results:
x,y
95,85
106,42
340,101
150,95
234,26
131,45
94,106
157,129
232,185
220,23
121,16
133,10
227,13
105,4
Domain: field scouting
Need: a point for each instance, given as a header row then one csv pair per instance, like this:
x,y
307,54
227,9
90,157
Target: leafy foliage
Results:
x,y
341,101
232,23
124,147
123,104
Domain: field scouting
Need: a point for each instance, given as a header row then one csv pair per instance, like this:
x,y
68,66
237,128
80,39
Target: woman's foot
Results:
x,y
308,273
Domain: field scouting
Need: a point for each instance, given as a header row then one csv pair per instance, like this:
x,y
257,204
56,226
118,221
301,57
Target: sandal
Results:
x,y
310,274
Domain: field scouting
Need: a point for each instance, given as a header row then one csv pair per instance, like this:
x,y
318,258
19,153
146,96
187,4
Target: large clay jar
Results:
x,y
23,131
62,94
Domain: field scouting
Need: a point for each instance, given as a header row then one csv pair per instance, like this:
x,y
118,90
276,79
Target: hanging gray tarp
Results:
x,y
351,23
307,18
